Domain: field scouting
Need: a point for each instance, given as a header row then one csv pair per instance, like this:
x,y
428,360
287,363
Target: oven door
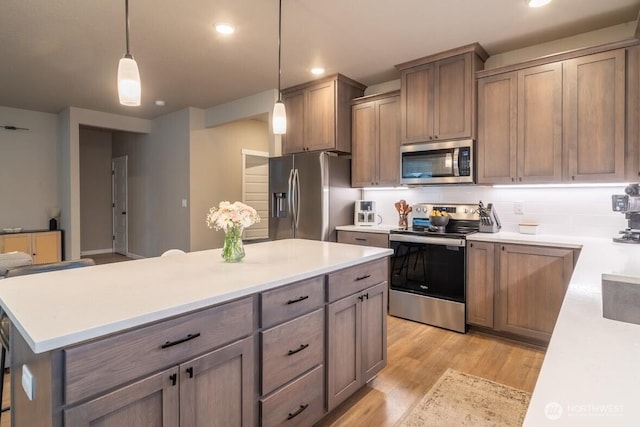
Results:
x,y
429,266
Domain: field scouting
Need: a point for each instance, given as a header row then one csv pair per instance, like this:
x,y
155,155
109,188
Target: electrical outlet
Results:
x,y
518,208
27,382
184,203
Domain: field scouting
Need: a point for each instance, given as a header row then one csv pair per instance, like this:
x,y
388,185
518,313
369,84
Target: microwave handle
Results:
x,y
456,156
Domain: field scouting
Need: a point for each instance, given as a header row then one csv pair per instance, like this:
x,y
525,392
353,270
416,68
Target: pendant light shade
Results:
x,y
129,90
279,119
129,86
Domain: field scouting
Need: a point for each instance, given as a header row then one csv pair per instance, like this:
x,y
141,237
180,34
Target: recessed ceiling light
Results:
x,y
317,71
160,103
537,3
225,29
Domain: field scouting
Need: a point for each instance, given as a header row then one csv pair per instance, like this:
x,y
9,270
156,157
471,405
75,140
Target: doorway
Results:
x,y
119,177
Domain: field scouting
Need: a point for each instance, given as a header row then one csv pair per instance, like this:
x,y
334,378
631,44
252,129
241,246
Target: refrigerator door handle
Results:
x,y
290,198
297,199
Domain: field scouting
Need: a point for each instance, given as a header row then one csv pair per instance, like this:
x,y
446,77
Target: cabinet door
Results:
x,y
594,116
417,103
217,389
540,124
46,247
533,282
151,402
293,141
344,357
388,137
497,128
480,283
17,242
453,98
374,331
320,117
363,161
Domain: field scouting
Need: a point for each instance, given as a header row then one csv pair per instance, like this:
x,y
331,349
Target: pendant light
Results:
x,y
279,112
129,88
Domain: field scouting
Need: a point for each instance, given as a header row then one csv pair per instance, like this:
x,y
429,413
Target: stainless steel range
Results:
x,y
428,268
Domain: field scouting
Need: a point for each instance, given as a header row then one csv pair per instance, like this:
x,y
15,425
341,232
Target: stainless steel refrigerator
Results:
x,y
309,195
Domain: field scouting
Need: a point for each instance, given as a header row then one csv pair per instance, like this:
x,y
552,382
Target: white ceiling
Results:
x,y
56,53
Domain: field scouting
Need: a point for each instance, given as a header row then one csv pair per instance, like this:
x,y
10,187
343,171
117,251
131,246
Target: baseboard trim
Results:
x,y
97,252
135,256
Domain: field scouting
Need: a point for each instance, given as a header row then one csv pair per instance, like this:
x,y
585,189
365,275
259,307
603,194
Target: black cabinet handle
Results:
x,y
297,350
173,378
293,301
298,412
366,276
366,296
361,297
503,248
361,239
190,371
470,245
180,341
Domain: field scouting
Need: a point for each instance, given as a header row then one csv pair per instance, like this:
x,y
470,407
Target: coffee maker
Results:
x,y
365,212
629,205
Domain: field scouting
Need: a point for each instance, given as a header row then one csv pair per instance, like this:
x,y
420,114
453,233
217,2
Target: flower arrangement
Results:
x,y
232,218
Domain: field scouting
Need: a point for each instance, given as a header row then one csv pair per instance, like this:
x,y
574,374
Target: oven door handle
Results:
x,y
441,241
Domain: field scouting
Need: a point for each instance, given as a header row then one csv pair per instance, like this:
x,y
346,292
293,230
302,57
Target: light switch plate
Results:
x,y
518,208
184,203
27,381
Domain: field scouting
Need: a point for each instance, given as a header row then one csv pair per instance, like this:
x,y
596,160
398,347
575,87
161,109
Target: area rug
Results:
x,y
459,399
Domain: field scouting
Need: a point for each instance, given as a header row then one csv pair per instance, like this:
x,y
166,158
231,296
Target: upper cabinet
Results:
x,y
319,115
438,95
561,121
376,141
594,120
520,126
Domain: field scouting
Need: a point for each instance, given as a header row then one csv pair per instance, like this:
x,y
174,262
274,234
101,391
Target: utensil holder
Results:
x,y
403,223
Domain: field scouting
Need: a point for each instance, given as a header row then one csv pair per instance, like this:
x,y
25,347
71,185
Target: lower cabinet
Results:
x,y
357,348
517,289
215,389
44,247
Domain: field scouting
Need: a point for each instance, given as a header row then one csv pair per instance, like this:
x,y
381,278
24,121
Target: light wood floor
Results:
x,y
418,355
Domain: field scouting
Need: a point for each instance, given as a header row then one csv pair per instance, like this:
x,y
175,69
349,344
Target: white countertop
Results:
x,y
591,371
379,228
57,309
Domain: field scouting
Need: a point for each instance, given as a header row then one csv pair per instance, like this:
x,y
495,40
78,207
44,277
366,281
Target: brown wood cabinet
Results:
x,y
480,283
44,246
594,116
319,115
438,95
376,141
520,126
357,348
632,164
532,283
363,238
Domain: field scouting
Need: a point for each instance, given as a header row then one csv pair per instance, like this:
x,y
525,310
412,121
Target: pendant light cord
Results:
x,y
126,12
279,47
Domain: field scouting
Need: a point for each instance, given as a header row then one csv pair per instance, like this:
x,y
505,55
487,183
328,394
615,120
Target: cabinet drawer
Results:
x,y
105,363
291,301
363,238
299,404
291,349
354,279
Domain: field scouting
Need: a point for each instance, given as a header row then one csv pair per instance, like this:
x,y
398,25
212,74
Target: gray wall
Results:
x,y
216,172
95,190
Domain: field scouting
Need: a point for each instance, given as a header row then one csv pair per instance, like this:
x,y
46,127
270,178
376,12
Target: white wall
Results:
x,y
28,168
569,211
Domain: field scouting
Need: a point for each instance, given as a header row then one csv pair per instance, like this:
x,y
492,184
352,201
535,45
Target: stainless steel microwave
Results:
x,y
443,162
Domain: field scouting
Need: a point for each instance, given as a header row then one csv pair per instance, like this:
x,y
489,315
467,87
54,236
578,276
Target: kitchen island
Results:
x,y
111,342
591,369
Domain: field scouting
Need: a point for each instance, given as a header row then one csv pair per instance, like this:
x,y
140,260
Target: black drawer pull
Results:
x,y
190,371
361,239
366,276
180,341
299,349
293,301
298,412
173,378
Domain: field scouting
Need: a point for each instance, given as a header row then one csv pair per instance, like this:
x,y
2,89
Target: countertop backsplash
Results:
x,y
579,211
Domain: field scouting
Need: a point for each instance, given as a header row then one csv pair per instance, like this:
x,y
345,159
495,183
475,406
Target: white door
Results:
x,y
119,190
